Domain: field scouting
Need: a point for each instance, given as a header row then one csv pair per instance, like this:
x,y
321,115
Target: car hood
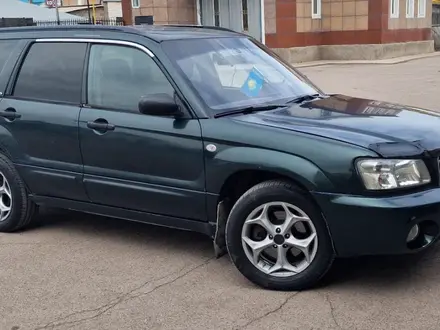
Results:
x,y
388,129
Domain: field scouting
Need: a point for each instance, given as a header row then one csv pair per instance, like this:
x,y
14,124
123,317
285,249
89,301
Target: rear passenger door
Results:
x,y
39,118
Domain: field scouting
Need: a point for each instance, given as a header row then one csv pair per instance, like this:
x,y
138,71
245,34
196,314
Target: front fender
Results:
x,y
226,162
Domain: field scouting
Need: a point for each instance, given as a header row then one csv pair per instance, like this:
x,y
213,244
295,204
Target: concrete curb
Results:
x,y
390,61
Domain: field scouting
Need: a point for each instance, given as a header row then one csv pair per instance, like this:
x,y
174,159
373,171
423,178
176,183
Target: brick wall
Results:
x,y
79,2
344,15
289,23
167,11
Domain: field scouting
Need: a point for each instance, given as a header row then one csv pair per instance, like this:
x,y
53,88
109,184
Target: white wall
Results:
x,y
114,9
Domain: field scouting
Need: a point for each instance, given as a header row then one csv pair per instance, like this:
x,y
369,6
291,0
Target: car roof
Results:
x,y
157,33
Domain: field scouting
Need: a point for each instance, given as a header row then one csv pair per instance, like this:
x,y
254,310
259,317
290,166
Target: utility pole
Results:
x,y
57,11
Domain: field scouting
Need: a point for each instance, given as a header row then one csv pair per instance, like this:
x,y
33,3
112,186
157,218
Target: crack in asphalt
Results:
x,y
123,298
273,311
28,243
332,311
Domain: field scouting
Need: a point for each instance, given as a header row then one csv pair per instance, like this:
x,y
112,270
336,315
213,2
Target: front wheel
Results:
x,y
277,238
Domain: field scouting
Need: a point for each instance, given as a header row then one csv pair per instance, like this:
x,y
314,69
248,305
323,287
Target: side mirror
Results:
x,y
159,105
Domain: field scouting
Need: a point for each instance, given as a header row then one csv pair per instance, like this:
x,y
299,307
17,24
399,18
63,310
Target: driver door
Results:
x,y
139,162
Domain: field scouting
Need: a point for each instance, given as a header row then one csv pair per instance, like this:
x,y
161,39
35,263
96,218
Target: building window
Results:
x,y
316,8
244,14
216,13
421,12
135,3
409,8
394,8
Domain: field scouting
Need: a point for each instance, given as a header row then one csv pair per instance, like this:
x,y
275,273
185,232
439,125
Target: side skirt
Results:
x,y
130,215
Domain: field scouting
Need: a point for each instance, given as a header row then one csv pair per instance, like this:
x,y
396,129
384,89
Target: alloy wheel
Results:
x,y
5,198
279,239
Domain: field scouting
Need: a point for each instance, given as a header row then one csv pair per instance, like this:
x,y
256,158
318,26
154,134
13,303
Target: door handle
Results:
x,y
10,114
100,125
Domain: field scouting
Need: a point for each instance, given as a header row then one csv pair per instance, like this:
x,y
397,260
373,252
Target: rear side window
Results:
x,y
6,49
52,72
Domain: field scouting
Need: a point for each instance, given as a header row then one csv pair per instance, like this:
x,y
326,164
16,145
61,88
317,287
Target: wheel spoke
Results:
x,y
3,206
290,220
5,193
257,247
302,245
263,221
7,190
282,263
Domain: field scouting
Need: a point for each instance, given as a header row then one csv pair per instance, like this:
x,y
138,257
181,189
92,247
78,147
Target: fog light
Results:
x,y
413,233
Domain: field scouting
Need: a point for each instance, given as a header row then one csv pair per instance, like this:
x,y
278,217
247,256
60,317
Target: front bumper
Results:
x,y
372,226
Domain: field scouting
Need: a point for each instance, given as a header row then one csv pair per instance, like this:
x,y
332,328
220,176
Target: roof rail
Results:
x,y
212,27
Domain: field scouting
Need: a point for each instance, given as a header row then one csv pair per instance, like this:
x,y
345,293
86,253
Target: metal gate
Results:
x,y
238,15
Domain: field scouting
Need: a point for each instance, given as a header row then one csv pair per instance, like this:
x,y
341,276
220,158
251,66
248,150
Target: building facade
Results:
x,y
305,30
101,9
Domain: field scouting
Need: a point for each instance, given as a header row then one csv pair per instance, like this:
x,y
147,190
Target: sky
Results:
x,y
33,1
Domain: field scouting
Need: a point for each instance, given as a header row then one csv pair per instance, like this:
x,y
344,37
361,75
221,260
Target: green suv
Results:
x,y
207,130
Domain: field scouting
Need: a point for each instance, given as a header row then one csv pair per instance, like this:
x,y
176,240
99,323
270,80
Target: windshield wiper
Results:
x,y
303,98
250,109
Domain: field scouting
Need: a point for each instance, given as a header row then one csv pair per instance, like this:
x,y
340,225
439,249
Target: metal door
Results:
x,y
238,15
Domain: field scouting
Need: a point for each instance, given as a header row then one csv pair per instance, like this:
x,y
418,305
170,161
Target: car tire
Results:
x,y
298,275
21,208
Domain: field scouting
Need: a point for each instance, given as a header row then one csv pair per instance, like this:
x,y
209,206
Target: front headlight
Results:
x,y
382,174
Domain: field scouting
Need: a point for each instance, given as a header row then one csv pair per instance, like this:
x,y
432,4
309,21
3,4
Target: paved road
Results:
x,y
415,83
73,271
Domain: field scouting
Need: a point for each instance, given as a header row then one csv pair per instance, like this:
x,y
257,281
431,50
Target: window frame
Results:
x,y
396,6
19,65
424,8
410,8
133,4
316,10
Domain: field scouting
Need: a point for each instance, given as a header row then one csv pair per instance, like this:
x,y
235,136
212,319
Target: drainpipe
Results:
x,y
88,10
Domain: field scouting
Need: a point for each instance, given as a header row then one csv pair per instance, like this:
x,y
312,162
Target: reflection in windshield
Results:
x,y
234,72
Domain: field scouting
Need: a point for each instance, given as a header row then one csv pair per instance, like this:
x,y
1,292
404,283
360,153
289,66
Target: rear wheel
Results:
x,y
277,237
16,209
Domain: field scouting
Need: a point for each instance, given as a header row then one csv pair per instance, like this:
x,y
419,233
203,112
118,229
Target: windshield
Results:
x,y
230,73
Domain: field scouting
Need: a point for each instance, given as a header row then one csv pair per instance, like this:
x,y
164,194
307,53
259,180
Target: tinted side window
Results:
x,y
119,76
6,49
52,72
